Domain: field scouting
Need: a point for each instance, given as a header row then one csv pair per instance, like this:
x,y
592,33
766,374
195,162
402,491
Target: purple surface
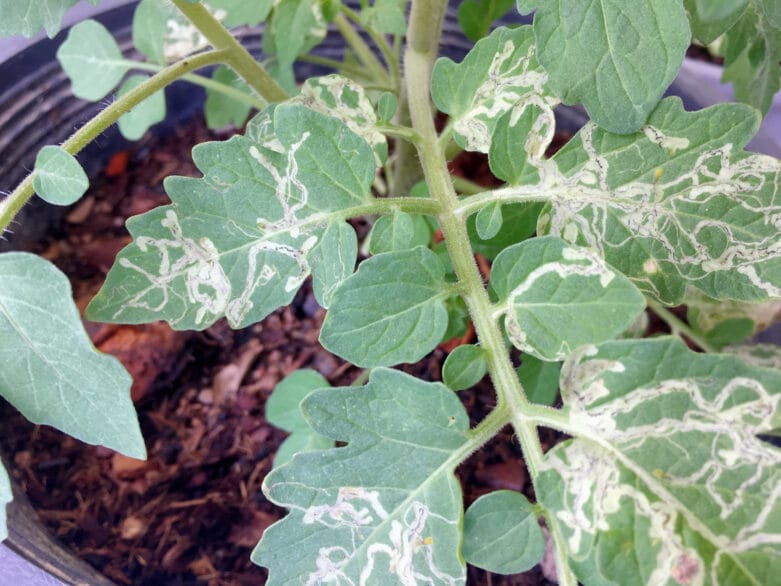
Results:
x,y
16,570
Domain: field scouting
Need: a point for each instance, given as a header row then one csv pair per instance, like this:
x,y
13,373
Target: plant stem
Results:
x,y
388,55
237,56
467,187
425,24
11,205
402,132
362,50
678,326
353,70
205,82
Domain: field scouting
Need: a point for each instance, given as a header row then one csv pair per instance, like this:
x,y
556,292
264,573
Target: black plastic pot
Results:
x,y
37,108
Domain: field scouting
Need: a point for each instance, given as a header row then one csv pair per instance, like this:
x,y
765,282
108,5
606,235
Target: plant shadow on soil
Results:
x,y
192,512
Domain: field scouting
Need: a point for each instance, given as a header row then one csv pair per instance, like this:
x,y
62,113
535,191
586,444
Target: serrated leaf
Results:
x,y
540,379
59,178
134,124
555,297
391,310
519,221
477,16
385,16
669,483
500,72
385,509
92,60
51,372
752,51
678,204
501,533
761,355
237,242
464,367
489,221
617,62
28,17
283,411
295,27
6,496
345,100
222,110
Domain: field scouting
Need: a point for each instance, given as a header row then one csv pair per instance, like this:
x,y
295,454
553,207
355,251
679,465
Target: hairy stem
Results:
x,y
205,82
11,205
422,46
237,56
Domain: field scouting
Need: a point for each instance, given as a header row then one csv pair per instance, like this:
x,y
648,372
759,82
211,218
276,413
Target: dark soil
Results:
x,y
192,512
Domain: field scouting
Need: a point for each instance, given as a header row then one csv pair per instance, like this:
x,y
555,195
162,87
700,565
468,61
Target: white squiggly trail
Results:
x,y
206,282
586,204
408,550
518,87
580,262
198,263
591,473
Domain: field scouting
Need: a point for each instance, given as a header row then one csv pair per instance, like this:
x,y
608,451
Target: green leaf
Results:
x,y
457,317
28,17
51,372
398,231
679,203
59,178
6,496
668,482
238,242
391,310
477,16
343,99
752,51
385,16
615,60
707,31
295,27
385,509
222,110
386,106
141,117
283,411
489,221
234,13
519,221
772,10
711,10
333,260
526,128
500,72
540,379
92,60
729,322
501,533
164,34
556,297
464,367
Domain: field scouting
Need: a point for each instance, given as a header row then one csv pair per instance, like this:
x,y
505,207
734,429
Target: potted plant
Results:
x,y
665,478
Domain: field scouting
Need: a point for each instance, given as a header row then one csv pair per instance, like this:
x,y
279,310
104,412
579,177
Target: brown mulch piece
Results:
x,y
191,513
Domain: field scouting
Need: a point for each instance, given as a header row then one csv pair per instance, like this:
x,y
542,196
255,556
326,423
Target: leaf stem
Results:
x,y
398,131
237,56
357,72
391,59
11,205
204,82
504,195
425,25
467,187
680,327
362,50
